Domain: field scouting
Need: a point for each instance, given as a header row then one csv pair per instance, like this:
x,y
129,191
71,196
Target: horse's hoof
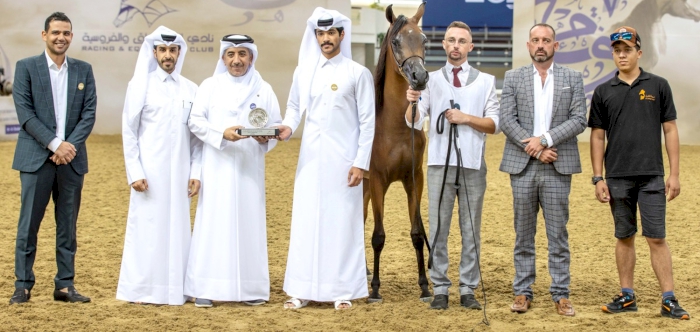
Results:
x,y
373,300
426,299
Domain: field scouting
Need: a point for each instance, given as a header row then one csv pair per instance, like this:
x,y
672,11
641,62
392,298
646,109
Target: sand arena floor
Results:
x,y
101,227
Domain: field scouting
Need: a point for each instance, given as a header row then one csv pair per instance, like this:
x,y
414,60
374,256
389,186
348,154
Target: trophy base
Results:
x,y
270,132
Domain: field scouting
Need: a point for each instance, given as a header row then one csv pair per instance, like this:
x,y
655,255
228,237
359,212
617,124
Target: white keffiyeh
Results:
x,y
145,64
248,84
310,51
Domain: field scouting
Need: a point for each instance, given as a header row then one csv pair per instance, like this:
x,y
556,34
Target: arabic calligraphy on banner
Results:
x,y
151,11
583,31
121,42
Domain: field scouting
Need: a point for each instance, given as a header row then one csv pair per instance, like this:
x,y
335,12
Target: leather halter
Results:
x,y
400,65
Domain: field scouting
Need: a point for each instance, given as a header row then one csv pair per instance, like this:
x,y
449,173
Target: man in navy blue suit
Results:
x,y
55,100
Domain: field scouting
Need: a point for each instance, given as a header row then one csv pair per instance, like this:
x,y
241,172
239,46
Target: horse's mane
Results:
x,y
379,76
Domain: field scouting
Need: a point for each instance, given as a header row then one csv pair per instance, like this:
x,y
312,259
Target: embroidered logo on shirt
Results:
x,y
644,96
252,106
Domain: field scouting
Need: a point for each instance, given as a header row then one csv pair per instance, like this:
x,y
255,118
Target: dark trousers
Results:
x,y
64,185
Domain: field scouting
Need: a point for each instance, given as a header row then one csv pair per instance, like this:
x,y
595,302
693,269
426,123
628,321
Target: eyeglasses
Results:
x,y
621,36
461,41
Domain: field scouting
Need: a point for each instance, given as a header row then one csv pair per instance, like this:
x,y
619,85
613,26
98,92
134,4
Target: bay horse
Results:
x,y
400,65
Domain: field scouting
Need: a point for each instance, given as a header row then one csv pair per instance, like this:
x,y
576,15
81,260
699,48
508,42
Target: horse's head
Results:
x,y
407,45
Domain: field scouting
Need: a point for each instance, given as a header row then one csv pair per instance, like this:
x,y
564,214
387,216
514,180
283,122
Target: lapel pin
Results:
x,y
334,87
81,86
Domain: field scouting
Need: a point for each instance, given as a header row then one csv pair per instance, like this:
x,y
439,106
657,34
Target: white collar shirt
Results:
x,y
424,101
59,90
463,74
543,98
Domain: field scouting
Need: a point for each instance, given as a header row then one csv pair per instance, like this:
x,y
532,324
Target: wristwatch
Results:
x,y
596,179
543,141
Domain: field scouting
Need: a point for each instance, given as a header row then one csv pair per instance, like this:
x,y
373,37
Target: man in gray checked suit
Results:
x,y
543,108
55,100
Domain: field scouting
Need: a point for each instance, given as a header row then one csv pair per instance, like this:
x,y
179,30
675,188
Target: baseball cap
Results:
x,y
627,35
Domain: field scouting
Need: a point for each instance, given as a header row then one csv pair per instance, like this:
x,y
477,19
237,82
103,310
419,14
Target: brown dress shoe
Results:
x,y
521,304
565,308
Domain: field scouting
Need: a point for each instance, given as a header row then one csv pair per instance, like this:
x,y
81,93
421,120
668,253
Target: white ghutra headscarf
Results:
x,y
146,63
248,84
310,51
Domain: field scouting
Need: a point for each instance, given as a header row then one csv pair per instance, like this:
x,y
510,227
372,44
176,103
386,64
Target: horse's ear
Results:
x,y
390,14
419,13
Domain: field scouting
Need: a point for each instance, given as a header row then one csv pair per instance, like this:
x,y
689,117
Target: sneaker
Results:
x,y
203,303
670,308
622,302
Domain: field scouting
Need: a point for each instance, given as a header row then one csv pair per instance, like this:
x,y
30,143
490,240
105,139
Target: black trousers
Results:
x,y
64,185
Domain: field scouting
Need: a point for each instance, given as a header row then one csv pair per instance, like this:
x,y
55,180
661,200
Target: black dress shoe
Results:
x,y
468,301
71,296
439,301
20,295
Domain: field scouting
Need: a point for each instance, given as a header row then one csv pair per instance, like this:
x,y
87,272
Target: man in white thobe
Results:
x,y
162,167
467,98
326,260
228,257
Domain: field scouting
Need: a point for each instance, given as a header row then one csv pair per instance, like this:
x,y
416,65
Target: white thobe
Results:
x,y
159,147
326,260
228,256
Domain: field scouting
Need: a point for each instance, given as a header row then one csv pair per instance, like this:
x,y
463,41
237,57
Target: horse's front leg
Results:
x,y
378,190
418,236
365,203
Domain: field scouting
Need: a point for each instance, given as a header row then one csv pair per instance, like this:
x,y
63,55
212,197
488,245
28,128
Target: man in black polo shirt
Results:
x,y
630,110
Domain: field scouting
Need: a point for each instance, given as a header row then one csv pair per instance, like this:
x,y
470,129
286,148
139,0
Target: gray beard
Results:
x,y
541,58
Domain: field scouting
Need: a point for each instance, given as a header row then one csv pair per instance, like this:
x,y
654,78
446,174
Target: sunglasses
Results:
x,y
621,36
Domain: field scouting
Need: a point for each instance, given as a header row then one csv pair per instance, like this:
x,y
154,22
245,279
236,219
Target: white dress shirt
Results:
x,y
463,74
544,95
59,89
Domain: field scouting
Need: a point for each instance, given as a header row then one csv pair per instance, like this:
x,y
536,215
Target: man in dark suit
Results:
x,y
55,100
543,108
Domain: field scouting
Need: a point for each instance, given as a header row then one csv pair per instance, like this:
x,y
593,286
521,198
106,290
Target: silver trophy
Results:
x,y
258,119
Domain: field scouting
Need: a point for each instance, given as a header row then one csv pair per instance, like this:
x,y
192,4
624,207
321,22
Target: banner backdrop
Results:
x,y
669,33
109,33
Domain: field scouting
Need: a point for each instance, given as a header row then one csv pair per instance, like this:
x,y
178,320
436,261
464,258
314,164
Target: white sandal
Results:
x,y
338,303
296,303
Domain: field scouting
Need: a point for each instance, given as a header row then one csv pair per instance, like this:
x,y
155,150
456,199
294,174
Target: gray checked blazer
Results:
x,y
517,117
34,104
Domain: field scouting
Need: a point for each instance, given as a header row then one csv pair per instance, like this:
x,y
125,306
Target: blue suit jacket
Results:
x,y
34,104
